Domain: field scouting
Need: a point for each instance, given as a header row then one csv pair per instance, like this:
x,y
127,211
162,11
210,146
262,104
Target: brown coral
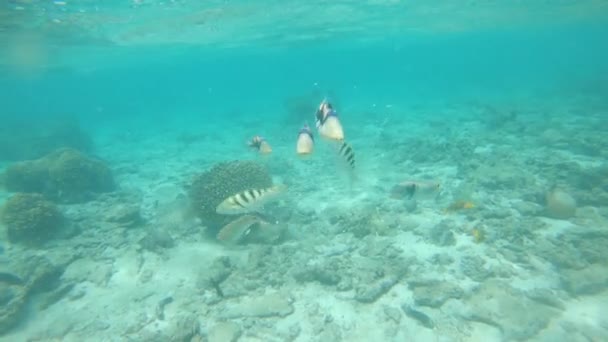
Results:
x,y
31,219
66,175
26,176
74,176
211,187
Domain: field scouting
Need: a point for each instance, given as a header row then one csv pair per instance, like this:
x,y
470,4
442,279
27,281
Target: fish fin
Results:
x,y
410,190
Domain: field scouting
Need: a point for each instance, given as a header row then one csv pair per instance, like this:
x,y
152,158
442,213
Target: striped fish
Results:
x,y
249,200
237,230
347,154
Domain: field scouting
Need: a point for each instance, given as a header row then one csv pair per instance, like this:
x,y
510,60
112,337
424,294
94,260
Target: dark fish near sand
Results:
x,y
237,230
416,189
420,316
249,200
11,279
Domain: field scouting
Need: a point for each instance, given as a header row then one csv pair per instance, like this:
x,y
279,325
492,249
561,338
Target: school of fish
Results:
x,y
329,127
251,201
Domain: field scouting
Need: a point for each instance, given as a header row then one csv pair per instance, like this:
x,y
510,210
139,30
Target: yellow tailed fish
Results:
x,y
260,144
459,205
478,235
249,200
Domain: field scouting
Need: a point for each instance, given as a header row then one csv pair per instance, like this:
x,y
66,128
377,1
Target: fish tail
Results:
x,y
279,187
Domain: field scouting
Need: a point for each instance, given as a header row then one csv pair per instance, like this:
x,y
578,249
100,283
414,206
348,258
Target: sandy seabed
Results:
x,y
353,264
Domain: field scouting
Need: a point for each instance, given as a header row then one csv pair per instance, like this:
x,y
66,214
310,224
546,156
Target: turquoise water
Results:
x,y
504,104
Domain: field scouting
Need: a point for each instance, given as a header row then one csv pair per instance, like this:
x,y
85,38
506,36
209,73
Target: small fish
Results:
x,y
420,316
249,200
478,235
260,144
11,279
415,189
306,142
217,287
235,231
347,153
327,122
460,205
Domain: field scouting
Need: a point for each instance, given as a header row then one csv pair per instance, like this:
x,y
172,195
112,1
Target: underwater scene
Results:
x,y
374,170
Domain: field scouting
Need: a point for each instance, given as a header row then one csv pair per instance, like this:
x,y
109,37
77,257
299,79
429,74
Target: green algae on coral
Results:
x,y
26,176
74,176
31,219
66,175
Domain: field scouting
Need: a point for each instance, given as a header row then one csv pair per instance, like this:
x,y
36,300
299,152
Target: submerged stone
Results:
x,y
586,281
560,204
371,293
518,317
271,305
224,332
437,294
474,268
322,275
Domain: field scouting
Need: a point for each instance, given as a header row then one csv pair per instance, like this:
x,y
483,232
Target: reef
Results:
x,y
40,276
38,137
211,187
65,175
31,219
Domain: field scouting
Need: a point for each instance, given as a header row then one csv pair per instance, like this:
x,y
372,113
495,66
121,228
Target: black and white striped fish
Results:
x,y
249,200
347,153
